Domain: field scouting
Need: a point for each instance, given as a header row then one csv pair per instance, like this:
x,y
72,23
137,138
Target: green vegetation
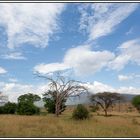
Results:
x,y
8,108
27,108
50,102
28,98
136,102
80,113
26,104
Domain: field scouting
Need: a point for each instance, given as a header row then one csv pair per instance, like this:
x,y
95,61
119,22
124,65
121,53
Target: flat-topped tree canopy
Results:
x,y
106,99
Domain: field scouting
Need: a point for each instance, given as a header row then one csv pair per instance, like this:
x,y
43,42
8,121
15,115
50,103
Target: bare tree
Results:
x,y
63,88
105,99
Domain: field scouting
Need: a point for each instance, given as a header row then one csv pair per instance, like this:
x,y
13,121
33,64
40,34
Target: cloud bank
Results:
x,y
128,53
104,17
81,59
32,23
14,90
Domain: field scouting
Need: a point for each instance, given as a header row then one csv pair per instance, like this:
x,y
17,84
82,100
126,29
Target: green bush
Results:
x,y
80,113
1,110
50,105
136,102
8,108
27,108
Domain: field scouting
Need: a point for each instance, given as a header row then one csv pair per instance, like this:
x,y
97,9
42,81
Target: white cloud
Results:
x,y
84,61
124,77
129,90
2,70
81,59
49,68
14,55
131,76
32,23
132,49
129,51
14,90
103,18
96,87
119,62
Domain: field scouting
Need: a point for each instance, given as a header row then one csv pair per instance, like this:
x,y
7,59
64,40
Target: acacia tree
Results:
x,y
63,87
105,99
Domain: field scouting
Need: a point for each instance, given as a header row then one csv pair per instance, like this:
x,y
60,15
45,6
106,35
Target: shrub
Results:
x,y
80,113
1,110
136,102
27,108
50,105
8,108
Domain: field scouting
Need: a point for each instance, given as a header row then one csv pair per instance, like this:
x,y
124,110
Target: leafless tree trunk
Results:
x,y
105,110
119,106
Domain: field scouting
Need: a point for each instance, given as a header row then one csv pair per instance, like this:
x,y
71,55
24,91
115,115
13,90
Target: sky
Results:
x,y
96,43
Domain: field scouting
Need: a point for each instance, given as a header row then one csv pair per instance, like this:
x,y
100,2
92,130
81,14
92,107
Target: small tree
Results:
x,y
105,100
26,104
80,113
136,102
49,105
27,108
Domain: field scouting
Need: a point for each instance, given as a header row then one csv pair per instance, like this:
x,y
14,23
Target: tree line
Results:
x,y
61,88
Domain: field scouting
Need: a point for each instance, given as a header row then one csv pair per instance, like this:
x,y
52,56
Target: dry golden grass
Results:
x,y
118,125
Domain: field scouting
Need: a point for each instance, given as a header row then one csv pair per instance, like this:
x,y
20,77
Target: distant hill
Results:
x,y
128,97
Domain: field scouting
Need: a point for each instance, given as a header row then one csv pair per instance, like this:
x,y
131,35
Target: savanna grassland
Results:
x,y
121,124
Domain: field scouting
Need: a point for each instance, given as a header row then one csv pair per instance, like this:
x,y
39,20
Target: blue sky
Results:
x,y
97,43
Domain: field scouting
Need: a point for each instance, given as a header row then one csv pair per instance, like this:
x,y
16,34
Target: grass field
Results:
x,y
117,125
